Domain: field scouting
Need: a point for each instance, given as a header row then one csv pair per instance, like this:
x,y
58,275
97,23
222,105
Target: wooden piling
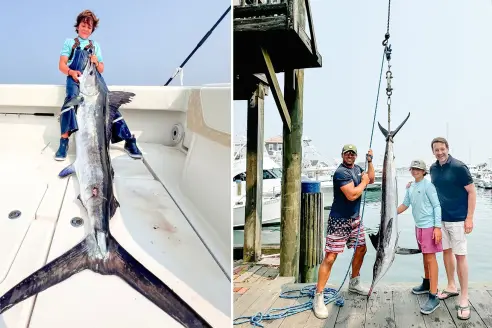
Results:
x,y
254,176
291,177
270,38
291,165
311,231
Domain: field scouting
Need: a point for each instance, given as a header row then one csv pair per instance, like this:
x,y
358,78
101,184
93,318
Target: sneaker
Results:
x,y
319,307
431,305
356,287
61,154
423,288
131,148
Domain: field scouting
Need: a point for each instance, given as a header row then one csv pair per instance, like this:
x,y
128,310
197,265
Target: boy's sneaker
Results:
x,y
423,288
131,148
431,305
61,154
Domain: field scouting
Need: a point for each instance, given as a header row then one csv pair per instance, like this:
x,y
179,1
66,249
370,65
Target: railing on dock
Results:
x,y
278,26
244,3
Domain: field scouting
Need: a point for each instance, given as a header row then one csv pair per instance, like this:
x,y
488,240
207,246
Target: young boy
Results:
x,y
426,211
72,58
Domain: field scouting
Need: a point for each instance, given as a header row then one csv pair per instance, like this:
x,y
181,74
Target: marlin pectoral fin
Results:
x,y
146,283
70,169
407,251
374,240
75,101
113,206
56,271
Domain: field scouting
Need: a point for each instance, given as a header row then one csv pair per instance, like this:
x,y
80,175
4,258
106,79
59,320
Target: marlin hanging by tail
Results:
x,y
386,240
99,251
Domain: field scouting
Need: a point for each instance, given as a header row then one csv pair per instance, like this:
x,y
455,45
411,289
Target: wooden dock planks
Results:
x,y
390,306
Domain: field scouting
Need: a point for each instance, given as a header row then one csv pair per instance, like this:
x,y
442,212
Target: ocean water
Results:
x,y
407,268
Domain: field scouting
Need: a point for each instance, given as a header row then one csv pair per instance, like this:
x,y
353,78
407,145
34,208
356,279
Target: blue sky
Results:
x,y
156,39
442,68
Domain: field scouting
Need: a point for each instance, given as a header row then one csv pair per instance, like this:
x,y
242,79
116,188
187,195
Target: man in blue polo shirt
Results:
x,y
349,182
456,192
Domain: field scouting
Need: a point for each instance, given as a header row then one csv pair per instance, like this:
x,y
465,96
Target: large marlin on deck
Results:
x,y
99,251
386,240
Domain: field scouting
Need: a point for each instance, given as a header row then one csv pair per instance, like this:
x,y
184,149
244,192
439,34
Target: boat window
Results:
x,y
240,176
277,172
268,175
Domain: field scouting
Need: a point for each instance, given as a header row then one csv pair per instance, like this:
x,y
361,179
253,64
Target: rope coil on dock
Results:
x,y
330,295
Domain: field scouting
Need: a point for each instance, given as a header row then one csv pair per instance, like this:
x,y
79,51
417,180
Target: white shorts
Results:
x,y
453,236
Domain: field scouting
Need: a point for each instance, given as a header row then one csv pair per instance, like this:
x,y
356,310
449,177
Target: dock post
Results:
x,y
254,176
291,176
292,163
312,227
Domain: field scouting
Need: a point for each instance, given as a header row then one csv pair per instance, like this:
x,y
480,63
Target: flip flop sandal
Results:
x,y
464,308
447,295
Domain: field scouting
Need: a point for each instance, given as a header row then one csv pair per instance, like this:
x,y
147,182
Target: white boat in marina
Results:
x,y
378,179
485,180
313,166
272,181
478,172
174,216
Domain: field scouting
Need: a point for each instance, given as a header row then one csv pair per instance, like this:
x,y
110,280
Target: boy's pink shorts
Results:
x,y
426,244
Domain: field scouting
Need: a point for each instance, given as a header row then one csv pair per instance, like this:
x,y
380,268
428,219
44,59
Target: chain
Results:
x,y
389,74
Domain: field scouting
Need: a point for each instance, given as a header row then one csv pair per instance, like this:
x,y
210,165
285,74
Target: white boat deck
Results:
x,y
170,235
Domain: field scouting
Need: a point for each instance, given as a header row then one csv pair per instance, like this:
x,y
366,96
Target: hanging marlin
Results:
x,y
99,251
386,240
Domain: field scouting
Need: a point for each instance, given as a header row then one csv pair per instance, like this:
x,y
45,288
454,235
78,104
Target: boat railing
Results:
x,y
270,193
245,3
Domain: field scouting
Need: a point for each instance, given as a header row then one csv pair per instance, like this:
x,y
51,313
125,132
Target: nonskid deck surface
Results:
x,y
148,224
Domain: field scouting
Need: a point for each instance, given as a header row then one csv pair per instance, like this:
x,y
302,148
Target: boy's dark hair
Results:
x,y
86,16
439,139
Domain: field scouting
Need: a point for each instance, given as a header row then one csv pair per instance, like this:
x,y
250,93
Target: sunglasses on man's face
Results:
x,y
350,153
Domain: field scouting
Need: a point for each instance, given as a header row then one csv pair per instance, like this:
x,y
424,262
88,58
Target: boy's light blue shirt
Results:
x,y
426,209
67,48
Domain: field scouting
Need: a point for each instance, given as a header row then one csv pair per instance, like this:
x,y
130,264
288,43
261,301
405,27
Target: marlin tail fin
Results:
x,y
393,133
56,271
117,262
125,266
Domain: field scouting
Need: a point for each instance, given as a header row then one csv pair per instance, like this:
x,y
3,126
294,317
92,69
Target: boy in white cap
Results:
x,y
426,211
